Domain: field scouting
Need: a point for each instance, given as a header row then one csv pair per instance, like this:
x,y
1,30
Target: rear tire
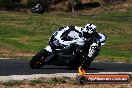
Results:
x,y
37,61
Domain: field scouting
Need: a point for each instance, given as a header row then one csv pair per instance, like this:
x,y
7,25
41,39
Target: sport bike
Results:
x,y
71,56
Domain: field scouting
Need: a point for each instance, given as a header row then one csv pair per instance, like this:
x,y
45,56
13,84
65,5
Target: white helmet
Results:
x,y
89,28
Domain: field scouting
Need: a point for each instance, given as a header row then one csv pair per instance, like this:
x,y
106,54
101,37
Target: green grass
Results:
x,y
33,82
28,33
12,83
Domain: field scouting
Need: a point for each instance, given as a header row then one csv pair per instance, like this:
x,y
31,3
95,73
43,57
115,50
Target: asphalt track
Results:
x,y
21,67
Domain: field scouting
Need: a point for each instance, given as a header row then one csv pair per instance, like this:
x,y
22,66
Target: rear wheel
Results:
x,y
38,60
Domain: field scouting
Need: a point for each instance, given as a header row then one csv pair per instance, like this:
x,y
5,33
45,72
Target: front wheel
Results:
x,y
38,60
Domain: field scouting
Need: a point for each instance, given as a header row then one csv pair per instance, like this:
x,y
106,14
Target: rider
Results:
x,y
68,35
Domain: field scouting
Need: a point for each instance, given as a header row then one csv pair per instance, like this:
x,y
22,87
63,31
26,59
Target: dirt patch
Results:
x,y
105,8
24,54
6,53
95,10
67,85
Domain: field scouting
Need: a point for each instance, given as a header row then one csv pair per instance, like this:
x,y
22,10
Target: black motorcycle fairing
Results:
x,y
65,57
72,56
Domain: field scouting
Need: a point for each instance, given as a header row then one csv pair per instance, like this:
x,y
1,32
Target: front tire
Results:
x,y
37,61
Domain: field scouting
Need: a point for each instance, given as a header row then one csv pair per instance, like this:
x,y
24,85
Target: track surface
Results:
x,y
21,67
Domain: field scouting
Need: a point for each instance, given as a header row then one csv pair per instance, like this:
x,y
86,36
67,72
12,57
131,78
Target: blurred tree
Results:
x,y
10,4
71,4
31,3
45,4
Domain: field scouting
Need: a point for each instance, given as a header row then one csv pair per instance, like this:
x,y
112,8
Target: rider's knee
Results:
x,y
94,50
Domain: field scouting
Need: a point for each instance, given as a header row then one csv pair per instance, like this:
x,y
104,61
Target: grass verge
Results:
x,y
24,34
12,83
64,82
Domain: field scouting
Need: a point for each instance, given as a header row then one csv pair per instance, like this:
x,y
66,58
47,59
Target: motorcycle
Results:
x,y
71,56
37,9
